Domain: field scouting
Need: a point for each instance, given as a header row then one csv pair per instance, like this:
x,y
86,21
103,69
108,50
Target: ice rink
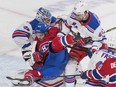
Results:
x,y
15,12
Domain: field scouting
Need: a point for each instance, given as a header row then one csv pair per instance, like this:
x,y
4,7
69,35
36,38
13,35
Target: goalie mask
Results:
x,y
43,15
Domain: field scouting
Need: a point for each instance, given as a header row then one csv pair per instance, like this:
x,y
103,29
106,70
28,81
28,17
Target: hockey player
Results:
x,y
81,27
24,34
48,62
95,61
105,67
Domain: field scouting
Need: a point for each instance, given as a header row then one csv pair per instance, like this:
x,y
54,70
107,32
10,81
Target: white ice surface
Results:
x,y
15,12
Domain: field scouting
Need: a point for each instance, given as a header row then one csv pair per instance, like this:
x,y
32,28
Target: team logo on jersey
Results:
x,y
44,47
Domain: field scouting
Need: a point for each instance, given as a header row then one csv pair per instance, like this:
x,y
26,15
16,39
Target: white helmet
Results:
x,y
111,42
80,8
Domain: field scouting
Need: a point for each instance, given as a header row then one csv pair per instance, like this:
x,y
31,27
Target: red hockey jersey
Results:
x,y
42,46
108,67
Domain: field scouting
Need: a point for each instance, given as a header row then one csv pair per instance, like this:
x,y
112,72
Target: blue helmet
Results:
x,y
43,15
41,28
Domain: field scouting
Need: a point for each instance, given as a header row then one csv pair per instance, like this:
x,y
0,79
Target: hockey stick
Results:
x,y
85,49
111,29
44,77
61,76
28,82
20,82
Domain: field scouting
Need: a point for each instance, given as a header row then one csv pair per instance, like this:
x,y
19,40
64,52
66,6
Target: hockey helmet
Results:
x,y
80,8
41,28
43,15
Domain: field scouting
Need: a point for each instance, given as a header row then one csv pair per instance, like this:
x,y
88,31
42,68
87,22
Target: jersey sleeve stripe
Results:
x,y
96,74
26,45
19,33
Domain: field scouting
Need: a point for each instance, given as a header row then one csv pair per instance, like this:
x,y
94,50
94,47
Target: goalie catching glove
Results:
x,y
27,54
27,51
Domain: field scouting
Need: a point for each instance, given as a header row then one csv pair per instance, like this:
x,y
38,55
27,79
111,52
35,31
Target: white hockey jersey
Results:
x,y
96,61
100,55
24,34
90,28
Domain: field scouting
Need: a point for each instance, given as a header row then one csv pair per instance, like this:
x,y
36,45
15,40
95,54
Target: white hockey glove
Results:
x,y
27,55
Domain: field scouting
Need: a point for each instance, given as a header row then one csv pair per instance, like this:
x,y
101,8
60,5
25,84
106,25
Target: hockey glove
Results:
x,y
83,75
83,41
26,54
27,57
86,74
33,75
37,57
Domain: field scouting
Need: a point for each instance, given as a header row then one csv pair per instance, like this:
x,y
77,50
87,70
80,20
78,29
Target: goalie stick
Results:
x,y
28,82
20,82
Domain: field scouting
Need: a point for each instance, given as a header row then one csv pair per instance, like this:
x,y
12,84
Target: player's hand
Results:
x,y
33,75
37,57
26,54
27,51
81,42
83,75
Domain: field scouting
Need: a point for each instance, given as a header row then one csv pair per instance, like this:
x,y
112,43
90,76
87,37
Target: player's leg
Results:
x,y
54,64
70,70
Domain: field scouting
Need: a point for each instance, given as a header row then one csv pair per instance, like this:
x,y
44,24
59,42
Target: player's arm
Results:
x,y
64,25
59,43
21,37
53,31
100,72
98,38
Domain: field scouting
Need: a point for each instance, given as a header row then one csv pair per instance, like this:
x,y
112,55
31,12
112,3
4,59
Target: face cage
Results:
x,y
43,18
76,16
